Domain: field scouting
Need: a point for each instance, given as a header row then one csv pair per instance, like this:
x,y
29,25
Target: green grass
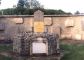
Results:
x,y
5,58
5,47
73,52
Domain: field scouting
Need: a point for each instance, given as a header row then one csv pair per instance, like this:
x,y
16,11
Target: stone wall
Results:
x,y
70,27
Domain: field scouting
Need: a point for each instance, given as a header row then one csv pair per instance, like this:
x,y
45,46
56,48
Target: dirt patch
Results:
x,y
66,41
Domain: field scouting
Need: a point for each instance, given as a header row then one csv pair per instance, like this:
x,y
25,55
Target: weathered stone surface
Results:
x,y
75,28
18,20
17,44
38,16
39,21
69,23
39,27
29,21
48,21
2,26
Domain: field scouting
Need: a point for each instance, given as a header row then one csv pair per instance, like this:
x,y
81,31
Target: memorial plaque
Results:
x,y
38,21
39,48
38,27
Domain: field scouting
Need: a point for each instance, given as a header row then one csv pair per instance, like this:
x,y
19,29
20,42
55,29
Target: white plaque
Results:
x,y
38,48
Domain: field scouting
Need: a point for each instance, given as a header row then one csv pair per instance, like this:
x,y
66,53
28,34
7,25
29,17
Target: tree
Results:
x,y
77,12
24,5
0,1
29,4
21,4
34,4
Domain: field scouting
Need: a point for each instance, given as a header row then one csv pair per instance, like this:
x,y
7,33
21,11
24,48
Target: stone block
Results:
x,y
48,21
18,20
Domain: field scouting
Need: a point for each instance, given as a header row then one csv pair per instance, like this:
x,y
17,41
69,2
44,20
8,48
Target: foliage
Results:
x,y
29,4
25,11
21,3
54,12
27,7
77,12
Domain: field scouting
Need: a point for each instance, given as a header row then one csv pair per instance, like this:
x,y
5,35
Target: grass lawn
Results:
x,y
5,47
5,58
73,51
